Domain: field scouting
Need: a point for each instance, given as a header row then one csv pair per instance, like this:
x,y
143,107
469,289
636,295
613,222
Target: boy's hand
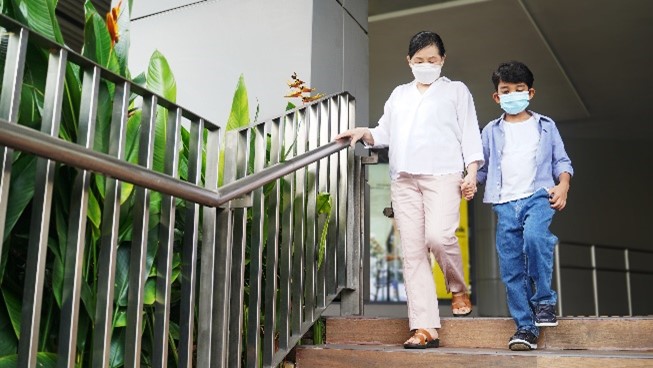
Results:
x,y
558,196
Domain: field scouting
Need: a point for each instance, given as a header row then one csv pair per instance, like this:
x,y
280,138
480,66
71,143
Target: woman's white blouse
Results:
x,y
433,133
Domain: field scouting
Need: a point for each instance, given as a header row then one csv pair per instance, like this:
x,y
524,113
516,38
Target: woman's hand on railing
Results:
x,y
356,135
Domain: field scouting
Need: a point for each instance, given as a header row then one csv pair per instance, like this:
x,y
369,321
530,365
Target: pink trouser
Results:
x,y
427,213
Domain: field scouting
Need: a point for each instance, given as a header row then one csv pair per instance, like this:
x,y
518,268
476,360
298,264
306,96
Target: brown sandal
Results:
x,y
459,301
426,341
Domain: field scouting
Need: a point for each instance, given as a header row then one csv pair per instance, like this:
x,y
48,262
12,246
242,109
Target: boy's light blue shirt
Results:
x,y
551,159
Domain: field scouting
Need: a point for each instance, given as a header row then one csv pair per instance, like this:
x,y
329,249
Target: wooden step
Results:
x,y
592,333
368,356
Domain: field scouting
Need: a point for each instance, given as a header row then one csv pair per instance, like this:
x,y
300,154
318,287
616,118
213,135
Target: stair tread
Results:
x,y
482,351
372,356
593,333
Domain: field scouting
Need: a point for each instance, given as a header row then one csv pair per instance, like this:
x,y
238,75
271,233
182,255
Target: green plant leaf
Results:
x,y
149,295
88,299
122,276
13,309
21,189
117,354
239,115
58,278
121,47
120,318
40,16
160,80
43,360
93,211
97,41
323,207
8,340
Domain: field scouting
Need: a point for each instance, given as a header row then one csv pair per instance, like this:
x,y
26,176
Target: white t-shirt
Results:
x,y
518,159
432,133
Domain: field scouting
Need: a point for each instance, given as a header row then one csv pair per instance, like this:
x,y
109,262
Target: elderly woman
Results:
x,y
432,132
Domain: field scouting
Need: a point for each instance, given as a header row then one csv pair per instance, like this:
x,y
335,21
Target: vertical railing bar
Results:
x,y
289,132
74,257
166,242
311,216
40,222
237,300
556,254
595,288
362,231
189,250
331,261
12,84
275,130
236,149
628,285
349,301
297,308
323,188
343,184
256,253
207,256
110,230
137,260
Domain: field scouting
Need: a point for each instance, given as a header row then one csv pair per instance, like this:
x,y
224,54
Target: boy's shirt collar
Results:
x,y
536,116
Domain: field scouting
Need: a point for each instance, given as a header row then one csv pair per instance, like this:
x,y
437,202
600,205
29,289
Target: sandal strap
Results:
x,y
423,336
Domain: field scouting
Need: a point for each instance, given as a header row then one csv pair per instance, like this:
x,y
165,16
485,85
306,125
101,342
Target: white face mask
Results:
x,y
426,73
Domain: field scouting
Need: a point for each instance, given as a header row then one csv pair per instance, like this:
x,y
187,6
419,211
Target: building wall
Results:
x,y
209,44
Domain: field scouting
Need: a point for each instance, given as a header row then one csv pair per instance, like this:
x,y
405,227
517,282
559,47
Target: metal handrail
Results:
x,y
32,141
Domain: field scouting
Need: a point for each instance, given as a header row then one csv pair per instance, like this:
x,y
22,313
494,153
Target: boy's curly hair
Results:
x,y
512,72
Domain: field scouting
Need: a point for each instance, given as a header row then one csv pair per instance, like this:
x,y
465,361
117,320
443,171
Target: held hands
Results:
x,y
468,186
356,135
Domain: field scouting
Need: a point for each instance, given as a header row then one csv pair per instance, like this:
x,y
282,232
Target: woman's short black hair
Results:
x,y
512,72
424,39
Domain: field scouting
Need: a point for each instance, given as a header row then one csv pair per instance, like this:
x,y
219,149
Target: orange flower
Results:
x,y
112,23
294,94
312,98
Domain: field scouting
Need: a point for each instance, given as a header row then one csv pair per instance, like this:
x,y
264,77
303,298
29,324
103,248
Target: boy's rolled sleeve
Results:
x,y
561,162
481,176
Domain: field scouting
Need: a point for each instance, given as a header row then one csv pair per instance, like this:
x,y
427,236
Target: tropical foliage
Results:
x,y
106,41
107,44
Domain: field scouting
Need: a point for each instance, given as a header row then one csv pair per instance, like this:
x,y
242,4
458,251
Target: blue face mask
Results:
x,y
514,103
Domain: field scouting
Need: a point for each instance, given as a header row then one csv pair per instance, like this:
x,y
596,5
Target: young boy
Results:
x,y
527,176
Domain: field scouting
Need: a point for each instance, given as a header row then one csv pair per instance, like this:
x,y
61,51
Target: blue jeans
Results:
x,y
525,249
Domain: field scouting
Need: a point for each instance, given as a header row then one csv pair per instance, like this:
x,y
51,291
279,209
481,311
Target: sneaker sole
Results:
x,y
521,345
546,324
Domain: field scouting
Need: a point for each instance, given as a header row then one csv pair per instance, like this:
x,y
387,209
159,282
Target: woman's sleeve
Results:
x,y
381,133
471,134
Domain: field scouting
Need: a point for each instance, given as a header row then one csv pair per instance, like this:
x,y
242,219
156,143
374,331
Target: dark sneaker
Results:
x,y
523,340
545,316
